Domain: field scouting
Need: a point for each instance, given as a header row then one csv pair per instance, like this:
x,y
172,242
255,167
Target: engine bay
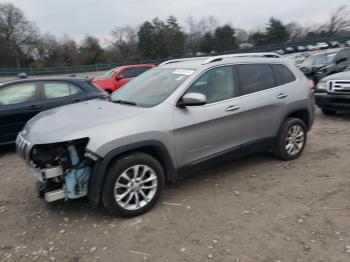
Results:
x,y
62,169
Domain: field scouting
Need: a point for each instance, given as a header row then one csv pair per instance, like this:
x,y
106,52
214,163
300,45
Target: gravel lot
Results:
x,y
254,209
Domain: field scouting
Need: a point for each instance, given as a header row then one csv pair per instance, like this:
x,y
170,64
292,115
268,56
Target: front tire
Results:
x,y
133,185
291,139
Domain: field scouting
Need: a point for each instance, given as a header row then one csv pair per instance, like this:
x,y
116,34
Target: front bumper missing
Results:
x,y
42,175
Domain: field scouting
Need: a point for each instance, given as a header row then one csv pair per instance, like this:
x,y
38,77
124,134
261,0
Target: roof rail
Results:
x,y
184,59
221,57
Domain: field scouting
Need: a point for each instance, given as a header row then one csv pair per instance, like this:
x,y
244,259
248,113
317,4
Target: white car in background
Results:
x,y
322,45
311,47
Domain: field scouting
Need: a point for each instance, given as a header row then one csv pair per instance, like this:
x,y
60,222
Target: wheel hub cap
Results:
x,y
135,187
295,140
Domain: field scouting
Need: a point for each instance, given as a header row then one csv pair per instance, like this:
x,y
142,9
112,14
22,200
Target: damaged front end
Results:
x,y
62,169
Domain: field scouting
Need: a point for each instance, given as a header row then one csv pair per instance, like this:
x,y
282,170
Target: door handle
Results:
x,y
232,108
282,95
33,108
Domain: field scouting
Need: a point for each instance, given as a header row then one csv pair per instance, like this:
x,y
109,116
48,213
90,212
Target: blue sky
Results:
x,y
81,17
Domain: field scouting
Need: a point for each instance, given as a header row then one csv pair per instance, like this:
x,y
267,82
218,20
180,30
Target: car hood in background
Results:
x,y
104,83
78,120
339,76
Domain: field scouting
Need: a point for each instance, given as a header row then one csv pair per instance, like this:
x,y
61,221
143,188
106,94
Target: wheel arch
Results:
x,y
152,147
300,113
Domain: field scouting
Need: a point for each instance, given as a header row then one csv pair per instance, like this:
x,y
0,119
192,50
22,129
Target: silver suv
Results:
x,y
170,121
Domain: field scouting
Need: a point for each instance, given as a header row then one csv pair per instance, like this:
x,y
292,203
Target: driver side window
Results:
x,y
216,84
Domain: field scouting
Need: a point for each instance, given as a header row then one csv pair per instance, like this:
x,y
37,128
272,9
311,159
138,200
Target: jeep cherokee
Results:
x,y
172,120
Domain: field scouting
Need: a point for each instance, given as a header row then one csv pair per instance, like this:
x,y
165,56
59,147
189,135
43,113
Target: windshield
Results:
x,y
108,74
152,87
318,60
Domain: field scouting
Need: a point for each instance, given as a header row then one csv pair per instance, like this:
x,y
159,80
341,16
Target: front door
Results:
x,y
18,104
204,131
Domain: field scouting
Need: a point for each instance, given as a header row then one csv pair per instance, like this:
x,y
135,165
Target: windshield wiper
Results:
x,y
124,102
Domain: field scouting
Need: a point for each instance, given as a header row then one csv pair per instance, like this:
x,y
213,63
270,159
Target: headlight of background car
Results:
x,y
322,86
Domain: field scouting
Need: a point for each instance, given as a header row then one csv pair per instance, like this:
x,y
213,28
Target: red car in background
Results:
x,y
119,76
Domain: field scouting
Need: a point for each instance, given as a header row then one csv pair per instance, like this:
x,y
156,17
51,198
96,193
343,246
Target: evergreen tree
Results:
x,y
225,39
175,38
207,44
145,40
276,32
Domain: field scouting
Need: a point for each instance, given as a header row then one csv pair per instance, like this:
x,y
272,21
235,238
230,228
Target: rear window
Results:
x,y
284,75
255,77
130,72
59,89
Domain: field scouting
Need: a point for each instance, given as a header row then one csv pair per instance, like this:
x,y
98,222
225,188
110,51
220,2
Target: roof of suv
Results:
x,y
203,62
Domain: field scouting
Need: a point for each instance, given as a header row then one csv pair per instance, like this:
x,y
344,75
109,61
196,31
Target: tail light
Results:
x,y
312,84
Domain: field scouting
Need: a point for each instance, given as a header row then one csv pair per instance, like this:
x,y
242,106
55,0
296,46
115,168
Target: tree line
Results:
x,y
22,45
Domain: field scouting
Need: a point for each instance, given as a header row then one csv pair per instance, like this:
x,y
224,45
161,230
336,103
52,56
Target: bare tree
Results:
x,y
296,31
125,40
196,29
241,35
16,32
339,20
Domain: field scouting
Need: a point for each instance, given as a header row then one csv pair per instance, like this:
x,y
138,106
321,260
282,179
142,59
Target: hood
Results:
x,y
104,83
80,120
339,76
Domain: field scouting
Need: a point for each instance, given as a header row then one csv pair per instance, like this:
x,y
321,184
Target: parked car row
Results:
x,y
320,65
318,46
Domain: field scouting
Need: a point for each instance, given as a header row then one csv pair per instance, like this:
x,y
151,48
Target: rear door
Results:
x,y
18,104
205,131
263,99
59,93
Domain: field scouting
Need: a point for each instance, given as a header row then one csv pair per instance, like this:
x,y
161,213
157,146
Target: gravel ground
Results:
x,y
254,209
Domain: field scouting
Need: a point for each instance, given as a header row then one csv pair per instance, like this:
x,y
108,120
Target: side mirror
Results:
x,y
192,99
119,77
341,60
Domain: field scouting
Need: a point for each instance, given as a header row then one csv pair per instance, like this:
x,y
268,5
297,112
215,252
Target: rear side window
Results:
x,y
284,75
59,89
16,94
255,77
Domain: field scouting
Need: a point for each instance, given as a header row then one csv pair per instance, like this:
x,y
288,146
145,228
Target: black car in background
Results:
x,y
332,93
334,44
20,100
320,65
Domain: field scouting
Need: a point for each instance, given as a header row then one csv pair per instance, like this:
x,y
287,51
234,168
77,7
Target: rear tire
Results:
x,y
328,112
133,185
291,139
